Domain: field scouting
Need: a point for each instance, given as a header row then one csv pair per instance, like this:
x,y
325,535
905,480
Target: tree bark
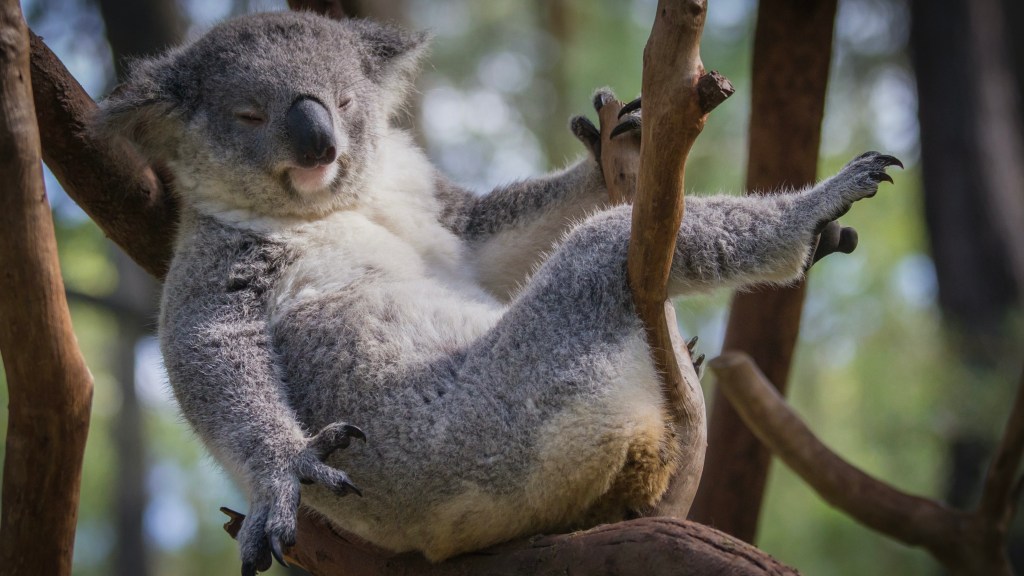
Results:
x,y
110,181
792,52
648,546
49,385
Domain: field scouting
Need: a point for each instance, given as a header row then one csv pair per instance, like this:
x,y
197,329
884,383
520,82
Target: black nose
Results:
x,y
311,132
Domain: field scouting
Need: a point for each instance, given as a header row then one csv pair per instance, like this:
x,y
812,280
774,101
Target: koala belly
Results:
x,y
473,439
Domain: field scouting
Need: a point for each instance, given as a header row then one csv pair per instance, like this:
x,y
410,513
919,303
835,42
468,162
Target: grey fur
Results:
x,y
390,299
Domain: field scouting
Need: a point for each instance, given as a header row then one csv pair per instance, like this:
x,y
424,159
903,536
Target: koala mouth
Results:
x,y
315,179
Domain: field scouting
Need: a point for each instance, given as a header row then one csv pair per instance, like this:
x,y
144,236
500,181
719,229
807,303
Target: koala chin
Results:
x,y
328,284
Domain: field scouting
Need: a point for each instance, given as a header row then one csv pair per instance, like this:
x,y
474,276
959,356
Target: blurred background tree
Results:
x,y
909,347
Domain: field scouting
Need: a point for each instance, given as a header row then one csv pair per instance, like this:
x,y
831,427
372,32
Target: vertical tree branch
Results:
x,y
49,385
674,115
792,52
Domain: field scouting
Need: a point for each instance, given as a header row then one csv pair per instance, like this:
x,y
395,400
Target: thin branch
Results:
x,y
965,542
874,503
50,388
997,496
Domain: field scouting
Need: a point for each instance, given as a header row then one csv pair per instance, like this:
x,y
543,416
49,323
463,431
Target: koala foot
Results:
x,y
859,179
270,525
589,134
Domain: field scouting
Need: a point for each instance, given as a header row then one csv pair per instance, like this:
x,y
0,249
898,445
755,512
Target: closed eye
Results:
x,y
344,102
250,117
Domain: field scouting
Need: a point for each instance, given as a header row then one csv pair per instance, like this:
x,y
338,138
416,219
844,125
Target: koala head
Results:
x,y
279,114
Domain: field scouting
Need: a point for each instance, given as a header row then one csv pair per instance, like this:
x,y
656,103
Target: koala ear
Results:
x,y
145,109
391,55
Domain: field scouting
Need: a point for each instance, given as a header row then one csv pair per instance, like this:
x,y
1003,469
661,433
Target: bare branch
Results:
x,y
965,542
673,120
997,496
50,388
649,546
111,182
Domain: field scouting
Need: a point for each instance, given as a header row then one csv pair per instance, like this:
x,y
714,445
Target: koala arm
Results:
x,y
729,241
509,230
216,345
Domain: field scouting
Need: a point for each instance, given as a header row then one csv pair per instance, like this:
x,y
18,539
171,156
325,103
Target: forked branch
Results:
x,y
966,542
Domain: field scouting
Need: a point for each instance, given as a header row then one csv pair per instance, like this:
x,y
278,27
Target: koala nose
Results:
x,y
311,132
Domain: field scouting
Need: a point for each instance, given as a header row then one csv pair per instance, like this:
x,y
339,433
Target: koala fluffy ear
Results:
x,y
145,109
391,55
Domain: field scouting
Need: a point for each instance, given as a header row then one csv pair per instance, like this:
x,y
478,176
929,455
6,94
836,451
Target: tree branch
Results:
x,y
110,181
674,116
965,542
649,546
997,496
50,388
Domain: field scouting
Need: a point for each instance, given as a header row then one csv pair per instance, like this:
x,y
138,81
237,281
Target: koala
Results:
x,y
329,284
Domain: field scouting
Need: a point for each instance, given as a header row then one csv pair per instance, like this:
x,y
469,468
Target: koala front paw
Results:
x,y
271,523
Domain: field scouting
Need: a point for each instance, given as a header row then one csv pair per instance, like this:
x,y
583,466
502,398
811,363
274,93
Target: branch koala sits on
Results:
x,y
326,276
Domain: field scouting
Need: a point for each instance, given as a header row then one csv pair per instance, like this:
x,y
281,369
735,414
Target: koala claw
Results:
x,y
630,107
586,132
698,364
691,344
631,123
881,177
333,437
270,526
275,549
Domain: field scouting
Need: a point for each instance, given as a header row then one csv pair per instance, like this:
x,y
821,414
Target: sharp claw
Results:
x,y
275,549
691,344
348,487
891,160
698,361
881,177
355,432
585,130
628,125
630,107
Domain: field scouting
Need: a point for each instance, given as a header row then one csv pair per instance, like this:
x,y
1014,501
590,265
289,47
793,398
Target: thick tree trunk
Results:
x,y
792,53
49,386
